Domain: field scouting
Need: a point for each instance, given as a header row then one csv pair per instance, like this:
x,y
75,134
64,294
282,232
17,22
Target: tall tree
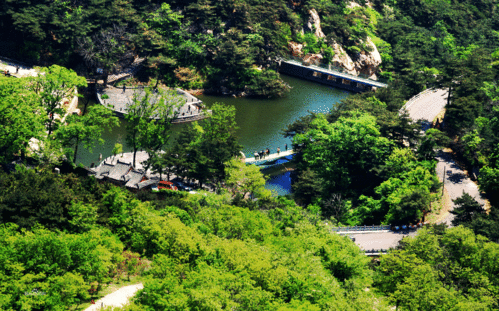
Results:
x,y
467,209
343,153
21,117
86,130
54,84
110,49
149,119
219,140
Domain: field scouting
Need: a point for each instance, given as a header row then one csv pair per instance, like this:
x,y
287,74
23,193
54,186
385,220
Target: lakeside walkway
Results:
x,y
119,100
336,73
271,157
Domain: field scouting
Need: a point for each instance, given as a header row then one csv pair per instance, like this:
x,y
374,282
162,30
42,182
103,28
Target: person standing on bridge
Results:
x,y
286,147
256,155
278,150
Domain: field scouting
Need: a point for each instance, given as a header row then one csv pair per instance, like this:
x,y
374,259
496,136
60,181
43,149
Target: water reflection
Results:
x,y
280,184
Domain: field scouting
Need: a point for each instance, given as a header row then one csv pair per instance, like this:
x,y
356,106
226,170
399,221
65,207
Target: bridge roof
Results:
x,y
339,74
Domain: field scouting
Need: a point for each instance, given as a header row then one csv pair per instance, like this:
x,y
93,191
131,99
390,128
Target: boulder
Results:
x,y
295,48
314,24
368,62
342,59
312,59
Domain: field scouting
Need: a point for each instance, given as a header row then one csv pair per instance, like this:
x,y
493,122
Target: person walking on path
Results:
x,y
124,89
278,150
17,69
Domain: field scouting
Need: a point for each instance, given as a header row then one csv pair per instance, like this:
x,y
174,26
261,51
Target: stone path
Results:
x,y
118,298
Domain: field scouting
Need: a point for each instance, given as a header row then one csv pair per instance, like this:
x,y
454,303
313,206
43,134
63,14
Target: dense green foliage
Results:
x,y
221,46
206,253
355,166
62,237
32,110
450,270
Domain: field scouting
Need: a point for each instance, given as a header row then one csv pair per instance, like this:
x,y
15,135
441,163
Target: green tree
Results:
x,y
219,141
488,181
111,49
117,149
467,208
244,180
21,124
432,140
343,153
308,187
149,119
86,130
54,84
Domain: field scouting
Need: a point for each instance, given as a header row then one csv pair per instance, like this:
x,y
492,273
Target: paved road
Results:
x,y
118,298
377,241
427,105
456,182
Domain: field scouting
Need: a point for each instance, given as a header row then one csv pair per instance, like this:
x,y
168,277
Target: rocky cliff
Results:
x,y
365,63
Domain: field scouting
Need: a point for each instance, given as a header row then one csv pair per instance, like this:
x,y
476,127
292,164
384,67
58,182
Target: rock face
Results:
x,y
368,62
312,59
295,48
314,24
342,59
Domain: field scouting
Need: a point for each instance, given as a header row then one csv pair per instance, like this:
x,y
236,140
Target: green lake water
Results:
x,y
260,121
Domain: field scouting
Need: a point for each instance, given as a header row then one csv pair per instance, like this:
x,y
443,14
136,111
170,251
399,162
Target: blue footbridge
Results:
x,y
329,75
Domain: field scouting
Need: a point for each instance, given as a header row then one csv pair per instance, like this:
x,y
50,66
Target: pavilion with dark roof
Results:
x,y
123,173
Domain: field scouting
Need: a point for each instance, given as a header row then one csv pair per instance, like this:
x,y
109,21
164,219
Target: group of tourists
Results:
x,y
6,72
265,153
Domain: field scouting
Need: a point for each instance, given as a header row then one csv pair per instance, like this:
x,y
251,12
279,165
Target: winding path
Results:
x,y
118,298
426,106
